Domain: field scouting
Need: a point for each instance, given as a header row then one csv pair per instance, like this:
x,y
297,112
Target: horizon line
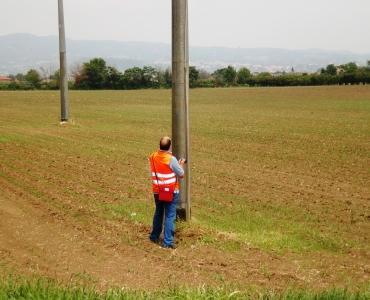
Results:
x,y
192,46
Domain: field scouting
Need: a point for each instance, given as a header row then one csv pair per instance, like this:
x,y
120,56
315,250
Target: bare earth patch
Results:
x,y
39,238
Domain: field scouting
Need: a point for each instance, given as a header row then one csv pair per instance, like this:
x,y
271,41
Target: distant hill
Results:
x,y
20,52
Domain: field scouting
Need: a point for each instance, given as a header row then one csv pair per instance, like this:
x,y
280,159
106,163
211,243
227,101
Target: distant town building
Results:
x,y
5,79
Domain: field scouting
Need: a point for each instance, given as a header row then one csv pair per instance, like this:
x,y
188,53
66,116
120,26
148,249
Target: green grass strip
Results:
x,y
42,289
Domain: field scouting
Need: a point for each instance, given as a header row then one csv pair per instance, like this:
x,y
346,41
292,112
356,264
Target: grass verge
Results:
x,y
42,289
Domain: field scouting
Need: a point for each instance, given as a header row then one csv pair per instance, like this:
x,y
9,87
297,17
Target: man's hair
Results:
x,y
165,143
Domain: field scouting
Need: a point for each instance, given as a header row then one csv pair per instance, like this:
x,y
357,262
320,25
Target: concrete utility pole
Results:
x,y
180,98
63,65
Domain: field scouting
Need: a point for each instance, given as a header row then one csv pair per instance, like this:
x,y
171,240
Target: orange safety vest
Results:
x,y
161,172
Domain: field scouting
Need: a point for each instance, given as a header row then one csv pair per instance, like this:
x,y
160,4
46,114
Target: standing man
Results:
x,y
165,171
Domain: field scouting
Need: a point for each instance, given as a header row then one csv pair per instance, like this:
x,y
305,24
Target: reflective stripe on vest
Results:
x,y
160,175
163,182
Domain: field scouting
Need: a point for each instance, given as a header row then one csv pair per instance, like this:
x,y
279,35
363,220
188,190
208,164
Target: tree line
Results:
x,y
96,74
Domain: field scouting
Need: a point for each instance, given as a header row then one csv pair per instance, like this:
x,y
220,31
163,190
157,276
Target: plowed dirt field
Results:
x,y
280,177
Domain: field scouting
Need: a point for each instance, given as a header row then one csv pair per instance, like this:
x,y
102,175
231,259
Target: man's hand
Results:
x,y
182,162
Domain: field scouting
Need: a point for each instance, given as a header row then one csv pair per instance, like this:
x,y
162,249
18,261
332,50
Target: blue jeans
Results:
x,y
168,209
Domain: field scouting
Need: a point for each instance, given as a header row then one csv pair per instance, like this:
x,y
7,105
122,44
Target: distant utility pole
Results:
x,y
63,65
180,98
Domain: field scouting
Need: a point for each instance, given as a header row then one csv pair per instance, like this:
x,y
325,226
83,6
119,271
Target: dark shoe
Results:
x,y
157,241
168,246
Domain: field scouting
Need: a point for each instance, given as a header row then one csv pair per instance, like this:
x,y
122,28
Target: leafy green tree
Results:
x,y
330,70
225,76
218,77
114,78
264,79
350,68
150,77
193,77
33,78
243,76
95,73
19,77
230,75
54,81
168,77
133,78
165,78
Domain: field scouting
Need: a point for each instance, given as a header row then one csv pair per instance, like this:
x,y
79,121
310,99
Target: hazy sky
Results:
x,y
293,24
